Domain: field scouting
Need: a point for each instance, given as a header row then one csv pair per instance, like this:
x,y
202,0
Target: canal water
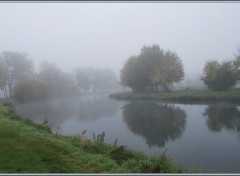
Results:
x,y
196,136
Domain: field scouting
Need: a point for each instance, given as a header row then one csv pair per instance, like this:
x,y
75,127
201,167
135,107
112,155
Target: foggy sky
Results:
x,y
107,34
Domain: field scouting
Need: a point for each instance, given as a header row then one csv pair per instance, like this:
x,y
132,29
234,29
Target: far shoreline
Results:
x,y
194,96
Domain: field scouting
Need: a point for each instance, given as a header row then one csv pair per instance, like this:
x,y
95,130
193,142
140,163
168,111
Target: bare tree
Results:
x,y
18,66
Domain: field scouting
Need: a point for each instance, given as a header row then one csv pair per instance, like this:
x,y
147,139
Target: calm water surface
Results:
x,y
200,136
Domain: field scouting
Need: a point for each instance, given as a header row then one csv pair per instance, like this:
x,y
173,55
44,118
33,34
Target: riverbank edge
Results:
x,y
32,148
184,96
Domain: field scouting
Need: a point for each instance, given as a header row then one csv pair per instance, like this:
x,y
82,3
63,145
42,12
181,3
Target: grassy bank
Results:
x,y
32,148
192,96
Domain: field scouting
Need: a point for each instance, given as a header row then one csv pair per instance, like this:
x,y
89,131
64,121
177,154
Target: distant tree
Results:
x,y
236,64
138,71
50,82
160,77
209,76
169,70
18,67
174,68
151,69
149,57
218,76
30,89
3,79
58,83
131,75
98,79
83,79
105,79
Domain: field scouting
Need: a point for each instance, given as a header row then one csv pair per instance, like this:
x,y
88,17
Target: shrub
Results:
x,y
219,77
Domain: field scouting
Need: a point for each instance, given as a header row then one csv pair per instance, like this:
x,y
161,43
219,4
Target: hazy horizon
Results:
x,y
105,35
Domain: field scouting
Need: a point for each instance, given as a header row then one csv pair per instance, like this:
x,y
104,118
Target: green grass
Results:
x,y
184,96
30,148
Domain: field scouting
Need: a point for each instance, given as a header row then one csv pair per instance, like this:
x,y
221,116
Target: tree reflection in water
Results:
x,y
157,123
220,116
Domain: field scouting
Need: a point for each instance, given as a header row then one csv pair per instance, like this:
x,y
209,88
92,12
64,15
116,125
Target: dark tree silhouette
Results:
x,y
218,76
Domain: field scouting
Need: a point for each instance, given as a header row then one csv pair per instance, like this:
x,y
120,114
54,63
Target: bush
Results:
x,y
120,154
30,90
219,77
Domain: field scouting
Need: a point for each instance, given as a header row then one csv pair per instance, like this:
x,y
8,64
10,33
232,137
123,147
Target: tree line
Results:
x,y
156,70
222,76
153,70
19,79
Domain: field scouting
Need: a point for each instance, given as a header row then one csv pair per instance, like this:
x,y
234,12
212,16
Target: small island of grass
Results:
x,y
184,96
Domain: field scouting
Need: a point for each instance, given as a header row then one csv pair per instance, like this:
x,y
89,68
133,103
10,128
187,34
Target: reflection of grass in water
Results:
x,y
156,123
59,110
30,148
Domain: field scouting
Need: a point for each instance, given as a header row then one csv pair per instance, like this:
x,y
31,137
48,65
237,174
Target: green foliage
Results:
x,y
99,142
236,64
151,69
132,76
138,70
100,138
219,77
120,154
156,164
128,76
96,146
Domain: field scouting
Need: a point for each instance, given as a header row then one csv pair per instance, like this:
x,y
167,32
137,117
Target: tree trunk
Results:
x,y
5,92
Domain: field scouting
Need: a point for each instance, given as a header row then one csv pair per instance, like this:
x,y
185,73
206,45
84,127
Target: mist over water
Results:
x,y
193,135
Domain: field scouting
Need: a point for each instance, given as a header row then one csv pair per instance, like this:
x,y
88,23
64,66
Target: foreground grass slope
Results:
x,y
31,148
184,96
26,147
